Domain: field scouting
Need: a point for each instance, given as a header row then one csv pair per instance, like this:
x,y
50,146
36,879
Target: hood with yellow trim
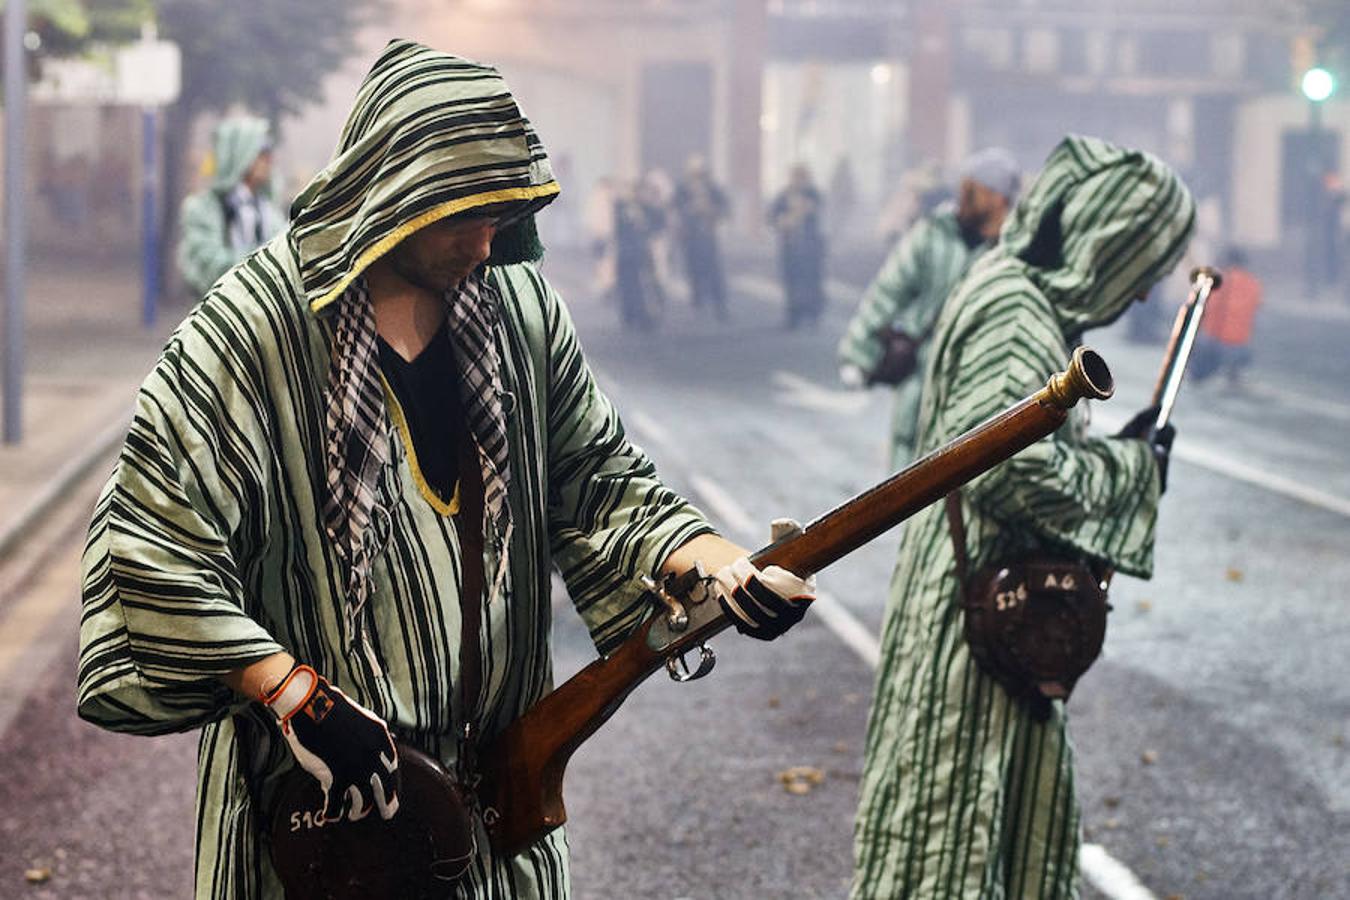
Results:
x,y
430,135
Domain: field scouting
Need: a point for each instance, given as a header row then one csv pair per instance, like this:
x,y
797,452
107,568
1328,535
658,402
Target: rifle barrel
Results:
x,y
523,767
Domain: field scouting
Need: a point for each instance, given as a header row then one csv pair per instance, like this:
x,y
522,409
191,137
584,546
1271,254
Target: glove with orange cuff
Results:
x,y
345,746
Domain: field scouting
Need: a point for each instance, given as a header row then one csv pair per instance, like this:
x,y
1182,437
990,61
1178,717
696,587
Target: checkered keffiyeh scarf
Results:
x,y
358,433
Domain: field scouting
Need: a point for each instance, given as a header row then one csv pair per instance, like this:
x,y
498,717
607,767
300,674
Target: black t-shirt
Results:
x,y
428,391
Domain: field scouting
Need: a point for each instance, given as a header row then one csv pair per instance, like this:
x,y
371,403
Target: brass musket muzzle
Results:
x,y
1087,377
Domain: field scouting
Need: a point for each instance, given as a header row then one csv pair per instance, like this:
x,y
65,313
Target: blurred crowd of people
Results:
x,y
646,235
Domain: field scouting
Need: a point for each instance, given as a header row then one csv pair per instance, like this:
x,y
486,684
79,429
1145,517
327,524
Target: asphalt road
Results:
x,y
1211,738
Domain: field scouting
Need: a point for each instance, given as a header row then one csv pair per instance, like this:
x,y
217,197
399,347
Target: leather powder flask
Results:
x,y
419,854
1033,624
425,850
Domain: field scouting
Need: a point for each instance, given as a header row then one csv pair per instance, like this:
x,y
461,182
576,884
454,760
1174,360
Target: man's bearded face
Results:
x,y
440,256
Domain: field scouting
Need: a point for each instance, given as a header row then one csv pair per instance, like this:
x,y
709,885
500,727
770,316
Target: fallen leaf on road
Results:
x,y
1148,757
38,876
1162,840
1111,802
1234,575
841,747
1144,606
801,779
1111,824
774,702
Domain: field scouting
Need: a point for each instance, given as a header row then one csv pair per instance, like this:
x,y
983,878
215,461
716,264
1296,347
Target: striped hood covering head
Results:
x,y
1098,227
430,135
237,142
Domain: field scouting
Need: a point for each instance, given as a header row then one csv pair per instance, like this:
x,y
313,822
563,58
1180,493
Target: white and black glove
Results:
x,y
341,743
764,604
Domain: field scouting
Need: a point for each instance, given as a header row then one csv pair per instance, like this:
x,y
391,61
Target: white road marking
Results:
x,y
723,507
1207,457
803,392
1327,409
1104,871
1109,876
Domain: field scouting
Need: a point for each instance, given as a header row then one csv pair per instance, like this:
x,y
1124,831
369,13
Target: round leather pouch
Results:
x,y
419,854
1036,626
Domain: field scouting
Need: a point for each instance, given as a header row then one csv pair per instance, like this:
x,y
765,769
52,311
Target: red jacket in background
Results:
x,y
1231,308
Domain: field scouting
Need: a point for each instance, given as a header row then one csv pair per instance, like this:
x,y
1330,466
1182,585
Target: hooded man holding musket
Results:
x,y
967,789
375,429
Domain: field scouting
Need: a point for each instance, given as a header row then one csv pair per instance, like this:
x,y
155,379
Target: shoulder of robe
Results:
x,y
261,296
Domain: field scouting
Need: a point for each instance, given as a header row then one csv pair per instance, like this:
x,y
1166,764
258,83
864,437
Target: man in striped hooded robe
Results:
x,y
235,215
916,278
964,792
284,521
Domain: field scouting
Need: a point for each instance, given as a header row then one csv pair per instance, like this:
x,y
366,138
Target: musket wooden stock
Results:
x,y
523,768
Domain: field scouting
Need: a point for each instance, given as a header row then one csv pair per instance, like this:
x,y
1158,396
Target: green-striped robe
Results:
x,y
207,549
908,292
963,794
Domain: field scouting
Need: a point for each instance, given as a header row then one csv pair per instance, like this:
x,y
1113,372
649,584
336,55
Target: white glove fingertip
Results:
x,y
787,585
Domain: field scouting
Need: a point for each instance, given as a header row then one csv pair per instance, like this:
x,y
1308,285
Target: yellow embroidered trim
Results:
x,y
401,422
391,240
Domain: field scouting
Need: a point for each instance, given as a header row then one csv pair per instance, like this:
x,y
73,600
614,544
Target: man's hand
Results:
x,y
764,604
1140,425
1160,442
341,743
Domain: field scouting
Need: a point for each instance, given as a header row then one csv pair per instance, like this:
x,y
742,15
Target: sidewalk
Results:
x,y
85,355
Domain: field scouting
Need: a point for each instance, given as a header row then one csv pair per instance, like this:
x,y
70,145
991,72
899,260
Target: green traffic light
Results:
x,y
1318,84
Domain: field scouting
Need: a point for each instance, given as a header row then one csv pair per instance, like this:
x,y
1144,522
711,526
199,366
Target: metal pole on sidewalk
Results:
x,y
149,216
16,97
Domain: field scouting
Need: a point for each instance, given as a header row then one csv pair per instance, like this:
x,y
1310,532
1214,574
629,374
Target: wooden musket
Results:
x,y
523,767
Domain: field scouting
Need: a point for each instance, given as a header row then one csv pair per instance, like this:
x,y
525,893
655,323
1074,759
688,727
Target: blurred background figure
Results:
x,y
920,191
700,206
1224,344
236,214
656,192
896,316
599,224
1328,234
843,199
635,284
796,215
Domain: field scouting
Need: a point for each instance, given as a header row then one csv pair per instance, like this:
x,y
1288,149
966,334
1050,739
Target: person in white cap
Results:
x,y
886,341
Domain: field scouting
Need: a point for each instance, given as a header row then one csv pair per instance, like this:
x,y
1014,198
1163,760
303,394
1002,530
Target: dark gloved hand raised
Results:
x,y
1141,428
1162,452
1140,425
345,746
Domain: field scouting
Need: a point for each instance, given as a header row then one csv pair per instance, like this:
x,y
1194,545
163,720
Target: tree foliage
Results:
x,y
270,55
